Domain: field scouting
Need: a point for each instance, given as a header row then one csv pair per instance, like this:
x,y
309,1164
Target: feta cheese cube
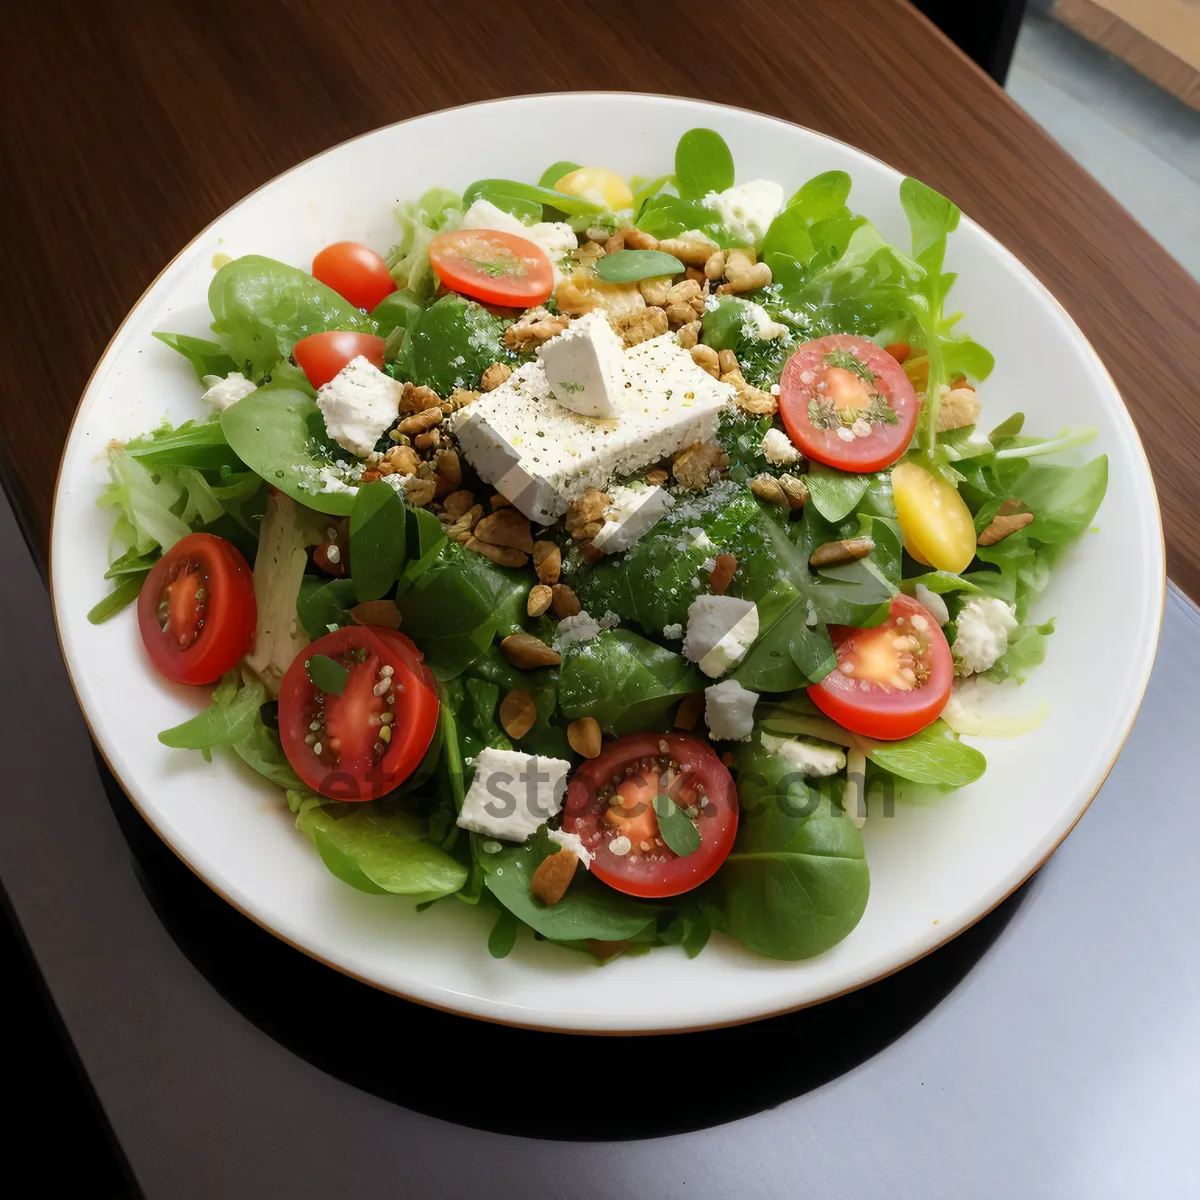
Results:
x,y
809,758
778,450
572,842
220,393
983,625
359,405
633,512
757,323
747,209
585,367
541,456
729,711
720,629
513,793
556,238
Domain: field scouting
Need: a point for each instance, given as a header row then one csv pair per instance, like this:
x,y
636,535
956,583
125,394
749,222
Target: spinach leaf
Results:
x,y
261,750
1063,499
833,493
668,216
645,192
400,310
823,197
200,445
625,681
723,322
378,540
575,206
628,266
796,882
553,173
323,603
933,756
229,717
452,344
261,308
703,164
327,675
676,827
207,358
503,937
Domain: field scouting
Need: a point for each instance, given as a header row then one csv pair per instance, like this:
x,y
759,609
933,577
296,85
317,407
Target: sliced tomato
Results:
x,y
890,681
493,266
847,403
610,802
196,610
341,745
355,272
322,355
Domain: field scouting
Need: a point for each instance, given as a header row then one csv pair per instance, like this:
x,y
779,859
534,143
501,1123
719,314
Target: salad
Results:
x,y
601,553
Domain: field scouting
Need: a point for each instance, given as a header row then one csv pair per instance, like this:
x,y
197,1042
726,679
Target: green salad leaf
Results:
x,y
628,266
378,539
206,357
323,603
555,171
933,756
327,675
228,719
408,260
199,445
703,164
487,189
835,494
451,345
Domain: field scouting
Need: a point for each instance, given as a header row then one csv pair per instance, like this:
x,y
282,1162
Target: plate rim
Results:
x,y
509,1021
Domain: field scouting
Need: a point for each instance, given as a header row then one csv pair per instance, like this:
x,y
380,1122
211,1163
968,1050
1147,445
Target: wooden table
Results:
x,y
128,130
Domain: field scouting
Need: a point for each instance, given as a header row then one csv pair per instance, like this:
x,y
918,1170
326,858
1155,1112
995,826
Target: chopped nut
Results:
x,y
706,358
721,576
654,291
685,302
498,501
615,243
376,612
729,362
459,398
457,503
385,467
590,552
553,876
428,440
419,422
795,488
696,275
958,407
527,652
564,603
1006,522
743,273
540,596
714,268
657,477
417,491
449,472
689,710
502,556
641,326
369,476
768,488
750,399
460,529
589,253
494,376
584,736
417,399
693,251
635,239
534,328
587,510
547,561
689,334
404,459
506,527
847,550
695,466
518,713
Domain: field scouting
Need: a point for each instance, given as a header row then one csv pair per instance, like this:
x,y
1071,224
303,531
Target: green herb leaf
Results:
x,y
933,756
324,602
676,827
703,164
207,358
553,173
573,205
120,597
835,494
503,936
229,718
849,361
327,675
378,539
628,266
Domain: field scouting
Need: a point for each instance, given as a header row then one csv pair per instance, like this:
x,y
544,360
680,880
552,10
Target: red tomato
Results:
x,y
322,355
604,803
890,681
495,267
355,272
350,755
196,610
826,406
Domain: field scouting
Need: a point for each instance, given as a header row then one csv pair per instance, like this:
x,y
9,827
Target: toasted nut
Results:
x,y
385,467
847,550
459,530
457,503
795,488
750,399
641,326
553,876
376,612
691,251
417,491
540,596
705,357
584,736
507,527
635,239
498,501
714,268
689,334
958,407
768,488
417,399
527,652
587,510
565,602
721,576
743,273
547,561
590,552
419,422
404,459
534,328
518,713
695,274
685,302
695,466
1005,523
449,472
429,440
654,291
728,362
657,477
369,476
494,376
502,556
459,398
689,710
615,243
589,253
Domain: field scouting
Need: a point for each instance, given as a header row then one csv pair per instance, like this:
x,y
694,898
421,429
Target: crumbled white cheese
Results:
x,y
359,405
983,625
633,512
747,209
556,238
720,629
757,323
931,601
810,758
673,632
729,711
513,793
585,367
581,627
220,393
778,450
335,479
572,842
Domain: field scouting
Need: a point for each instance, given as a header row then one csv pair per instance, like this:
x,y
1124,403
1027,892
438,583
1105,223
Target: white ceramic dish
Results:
x,y
935,868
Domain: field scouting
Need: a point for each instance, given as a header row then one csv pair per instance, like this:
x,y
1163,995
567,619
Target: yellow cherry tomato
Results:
x,y
599,185
933,518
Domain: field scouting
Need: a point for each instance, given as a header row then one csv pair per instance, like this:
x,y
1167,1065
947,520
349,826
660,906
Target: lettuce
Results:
x,y
408,260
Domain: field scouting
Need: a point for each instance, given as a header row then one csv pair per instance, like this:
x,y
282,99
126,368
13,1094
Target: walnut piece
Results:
x,y
494,376
695,466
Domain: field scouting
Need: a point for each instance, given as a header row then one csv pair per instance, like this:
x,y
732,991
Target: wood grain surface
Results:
x,y
125,128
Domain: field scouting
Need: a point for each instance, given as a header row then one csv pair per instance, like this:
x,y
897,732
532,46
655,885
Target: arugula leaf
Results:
x,y
628,266
327,675
206,357
378,539
229,717
201,445
703,164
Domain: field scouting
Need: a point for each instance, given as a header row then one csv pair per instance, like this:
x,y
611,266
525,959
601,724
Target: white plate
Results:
x,y
935,868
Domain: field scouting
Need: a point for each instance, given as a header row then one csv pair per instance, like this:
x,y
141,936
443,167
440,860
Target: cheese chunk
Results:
x,y
572,842
359,405
541,456
777,448
747,209
758,324
513,793
633,512
814,759
220,393
556,238
720,629
585,367
983,625
729,711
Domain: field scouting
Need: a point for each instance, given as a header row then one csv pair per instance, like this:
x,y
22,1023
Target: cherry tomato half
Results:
x,y
847,403
355,272
890,681
196,610
493,266
365,744
604,803
322,355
